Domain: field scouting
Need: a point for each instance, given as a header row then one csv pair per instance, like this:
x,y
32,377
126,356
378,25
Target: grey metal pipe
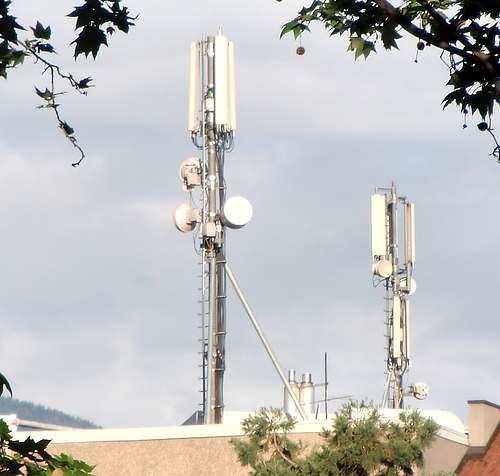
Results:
x,y
263,339
212,310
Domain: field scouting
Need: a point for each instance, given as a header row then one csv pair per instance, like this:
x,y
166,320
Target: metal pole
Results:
x,y
263,339
220,338
212,309
216,138
326,386
397,397
214,246
210,252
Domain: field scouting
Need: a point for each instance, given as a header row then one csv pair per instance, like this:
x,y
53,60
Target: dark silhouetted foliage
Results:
x,y
466,32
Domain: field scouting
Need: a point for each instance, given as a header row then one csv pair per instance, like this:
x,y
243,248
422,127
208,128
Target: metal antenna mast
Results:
x,y
393,261
211,124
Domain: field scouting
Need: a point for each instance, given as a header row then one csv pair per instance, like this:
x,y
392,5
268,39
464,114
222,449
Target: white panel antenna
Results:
x,y
221,81
379,225
410,233
231,88
194,89
396,327
407,328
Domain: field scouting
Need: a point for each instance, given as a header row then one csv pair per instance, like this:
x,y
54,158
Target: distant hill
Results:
x,y
31,411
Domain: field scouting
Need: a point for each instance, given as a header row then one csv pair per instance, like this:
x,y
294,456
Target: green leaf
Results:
x,y
44,47
4,431
287,27
71,466
357,45
360,46
4,50
84,83
295,27
4,383
121,18
4,7
47,95
91,13
457,95
368,48
89,41
8,27
389,36
40,32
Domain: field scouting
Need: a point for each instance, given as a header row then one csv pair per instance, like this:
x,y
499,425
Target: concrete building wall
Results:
x,y
203,450
179,457
187,457
443,455
209,456
484,417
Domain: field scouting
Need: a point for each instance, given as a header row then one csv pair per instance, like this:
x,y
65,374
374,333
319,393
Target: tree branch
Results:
x,y
402,20
280,452
475,50
55,69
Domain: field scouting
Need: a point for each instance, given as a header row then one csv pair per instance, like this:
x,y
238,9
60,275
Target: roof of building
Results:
x,y
451,428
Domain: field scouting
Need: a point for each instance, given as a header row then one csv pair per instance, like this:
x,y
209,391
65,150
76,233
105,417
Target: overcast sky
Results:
x,y
98,294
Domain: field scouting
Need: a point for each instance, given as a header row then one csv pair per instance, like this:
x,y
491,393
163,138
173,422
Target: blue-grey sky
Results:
x,y
98,295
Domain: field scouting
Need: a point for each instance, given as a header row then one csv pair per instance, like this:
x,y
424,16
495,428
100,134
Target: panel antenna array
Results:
x,y
393,262
211,125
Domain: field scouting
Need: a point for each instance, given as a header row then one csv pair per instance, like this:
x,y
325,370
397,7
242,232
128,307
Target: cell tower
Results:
x,y
394,269
211,125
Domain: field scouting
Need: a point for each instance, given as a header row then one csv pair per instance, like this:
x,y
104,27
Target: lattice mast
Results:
x,y
393,255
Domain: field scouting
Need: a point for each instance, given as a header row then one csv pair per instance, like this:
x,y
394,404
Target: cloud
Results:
x,y
99,292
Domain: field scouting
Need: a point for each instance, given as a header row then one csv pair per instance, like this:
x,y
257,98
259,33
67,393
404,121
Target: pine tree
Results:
x,y
360,443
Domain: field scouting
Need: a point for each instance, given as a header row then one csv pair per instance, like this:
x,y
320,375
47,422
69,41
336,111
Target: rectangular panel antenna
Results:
x,y
194,85
410,233
221,80
407,331
379,224
231,88
396,327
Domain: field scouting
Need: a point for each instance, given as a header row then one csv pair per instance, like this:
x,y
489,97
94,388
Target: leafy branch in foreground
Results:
x,y
30,457
467,32
360,443
96,21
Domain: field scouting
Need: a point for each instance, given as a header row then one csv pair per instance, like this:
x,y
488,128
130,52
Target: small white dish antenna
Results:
x,y
185,218
237,212
420,390
190,173
382,268
413,285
